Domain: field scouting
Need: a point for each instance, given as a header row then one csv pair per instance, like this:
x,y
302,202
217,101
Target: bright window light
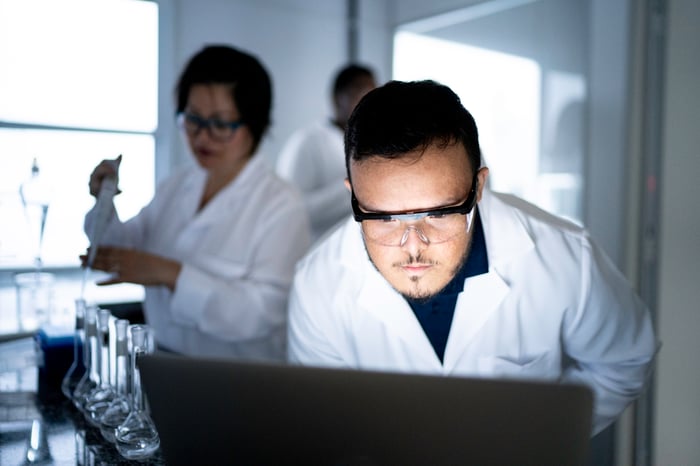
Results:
x,y
92,64
65,160
501,91
78,84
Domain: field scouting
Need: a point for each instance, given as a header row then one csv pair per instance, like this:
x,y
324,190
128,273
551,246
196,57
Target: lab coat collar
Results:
x,y
251,174
376,298
506,240
504,232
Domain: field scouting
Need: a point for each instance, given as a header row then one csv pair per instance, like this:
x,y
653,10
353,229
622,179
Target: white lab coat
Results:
x,y
551,307
313,159
237,254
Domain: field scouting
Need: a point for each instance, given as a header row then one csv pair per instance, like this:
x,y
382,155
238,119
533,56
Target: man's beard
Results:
x,y
418,296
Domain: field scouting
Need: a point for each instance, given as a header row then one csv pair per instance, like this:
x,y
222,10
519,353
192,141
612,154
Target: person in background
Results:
x,y
436,274
313,158
217,245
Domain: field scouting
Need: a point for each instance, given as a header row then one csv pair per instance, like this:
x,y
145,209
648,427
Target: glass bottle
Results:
x,y
91,377
136,437
77,369
98,398
120,406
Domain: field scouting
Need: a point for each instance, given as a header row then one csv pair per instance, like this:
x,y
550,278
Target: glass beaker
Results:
x,y
77,369
137,437
34,299
120,406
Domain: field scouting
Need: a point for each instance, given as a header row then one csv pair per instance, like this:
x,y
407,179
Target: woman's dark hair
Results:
x,y
251,85
400,117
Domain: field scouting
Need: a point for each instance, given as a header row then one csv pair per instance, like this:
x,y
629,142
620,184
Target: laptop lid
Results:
x,y
213,411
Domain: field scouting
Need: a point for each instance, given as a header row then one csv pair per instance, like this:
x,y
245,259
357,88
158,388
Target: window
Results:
x,y
501,106
79,84
520,67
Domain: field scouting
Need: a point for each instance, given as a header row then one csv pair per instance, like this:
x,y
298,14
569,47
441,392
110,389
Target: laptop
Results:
x,y
214,411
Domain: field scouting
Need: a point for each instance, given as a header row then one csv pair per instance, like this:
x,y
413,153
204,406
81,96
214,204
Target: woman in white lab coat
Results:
x,y
217,245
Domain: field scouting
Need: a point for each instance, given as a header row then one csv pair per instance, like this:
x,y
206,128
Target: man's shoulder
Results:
x,y
513,226
531,216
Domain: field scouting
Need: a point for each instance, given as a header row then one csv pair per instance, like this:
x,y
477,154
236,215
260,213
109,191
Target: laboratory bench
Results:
x,y
38,425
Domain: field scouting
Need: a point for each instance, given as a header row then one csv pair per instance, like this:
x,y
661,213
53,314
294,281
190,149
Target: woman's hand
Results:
x,y
133,266
103,169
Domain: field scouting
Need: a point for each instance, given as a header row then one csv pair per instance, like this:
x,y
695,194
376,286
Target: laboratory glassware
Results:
x,y
98,399
120,406
77,369
137,437
90,378
36,193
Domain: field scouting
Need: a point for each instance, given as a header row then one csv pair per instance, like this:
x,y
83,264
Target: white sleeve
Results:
x,y
609,337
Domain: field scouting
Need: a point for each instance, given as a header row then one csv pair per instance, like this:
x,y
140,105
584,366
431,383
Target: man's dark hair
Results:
x,y
251,85
400,117
348,76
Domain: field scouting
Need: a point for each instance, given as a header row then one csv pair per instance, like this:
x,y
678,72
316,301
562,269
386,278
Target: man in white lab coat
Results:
x,y
313,159
437,275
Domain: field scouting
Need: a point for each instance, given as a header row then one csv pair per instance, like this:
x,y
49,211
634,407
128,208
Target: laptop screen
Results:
x,y
212,411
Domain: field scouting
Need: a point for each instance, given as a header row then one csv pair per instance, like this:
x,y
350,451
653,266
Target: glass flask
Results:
x,y
90,378
77,369
120,406
136,437
36,193
99,398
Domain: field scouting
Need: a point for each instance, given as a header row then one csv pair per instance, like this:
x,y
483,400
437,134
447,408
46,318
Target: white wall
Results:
x,y
678,373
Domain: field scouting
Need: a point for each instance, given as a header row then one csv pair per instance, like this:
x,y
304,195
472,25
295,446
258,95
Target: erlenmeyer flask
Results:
x,y
77,369
136,437
120,406
99,398
91,378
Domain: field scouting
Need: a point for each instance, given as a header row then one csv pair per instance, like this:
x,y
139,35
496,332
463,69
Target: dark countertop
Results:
x,y
71,441
29,402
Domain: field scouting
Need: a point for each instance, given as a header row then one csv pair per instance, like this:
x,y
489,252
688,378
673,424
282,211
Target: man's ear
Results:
x,y
347,184
482,174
